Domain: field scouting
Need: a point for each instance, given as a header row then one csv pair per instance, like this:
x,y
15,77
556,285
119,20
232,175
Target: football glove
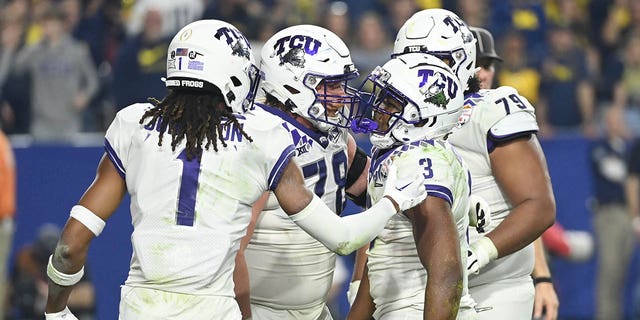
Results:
x,y
480,253
479,213
406,196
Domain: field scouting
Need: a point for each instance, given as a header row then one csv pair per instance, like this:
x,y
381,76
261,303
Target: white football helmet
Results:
x,y
213,53
443,34
425,89
296,60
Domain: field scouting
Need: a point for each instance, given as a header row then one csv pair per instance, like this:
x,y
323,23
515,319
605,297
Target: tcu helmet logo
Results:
x,y
458,25
294,56
298,45
435,93
238,43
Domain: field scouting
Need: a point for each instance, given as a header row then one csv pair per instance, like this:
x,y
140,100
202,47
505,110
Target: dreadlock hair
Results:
x,y
473,86
195,115
270,100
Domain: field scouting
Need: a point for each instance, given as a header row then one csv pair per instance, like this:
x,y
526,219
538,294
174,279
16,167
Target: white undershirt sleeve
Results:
x,y
343,235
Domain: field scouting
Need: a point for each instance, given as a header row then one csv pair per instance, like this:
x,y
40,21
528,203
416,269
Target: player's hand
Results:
x,y
406,195
473,266
480,253
479,213
61,315
545,301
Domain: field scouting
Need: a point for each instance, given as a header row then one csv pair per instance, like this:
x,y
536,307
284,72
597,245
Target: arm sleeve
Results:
x,y
343,235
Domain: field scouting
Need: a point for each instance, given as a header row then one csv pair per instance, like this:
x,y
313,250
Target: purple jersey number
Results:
x,y
339,165
186,213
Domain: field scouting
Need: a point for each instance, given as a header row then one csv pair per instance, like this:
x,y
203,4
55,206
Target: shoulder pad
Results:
x,y
507,99
503,112
133,113
519,122
265,121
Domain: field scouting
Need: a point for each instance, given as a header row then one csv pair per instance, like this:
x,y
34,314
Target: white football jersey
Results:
x,y
189,216
288,268
396,276
492,116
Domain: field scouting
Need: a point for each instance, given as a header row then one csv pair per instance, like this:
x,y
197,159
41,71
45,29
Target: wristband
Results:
x,y
485,250
64,314
61,278
542,279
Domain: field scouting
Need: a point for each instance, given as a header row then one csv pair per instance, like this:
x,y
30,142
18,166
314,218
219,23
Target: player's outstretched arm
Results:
x,y
436,238
342,235
87,219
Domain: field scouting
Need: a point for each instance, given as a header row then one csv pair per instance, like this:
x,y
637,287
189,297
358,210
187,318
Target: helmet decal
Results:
x,y
239,44
241,50
443,34
307,69
213,56
411,97
309,44
438,99
435,93
295,57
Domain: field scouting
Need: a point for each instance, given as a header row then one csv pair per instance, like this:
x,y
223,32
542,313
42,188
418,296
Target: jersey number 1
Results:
x,y
186,213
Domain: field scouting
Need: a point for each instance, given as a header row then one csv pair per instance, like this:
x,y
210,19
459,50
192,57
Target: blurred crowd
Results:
x,y
66,66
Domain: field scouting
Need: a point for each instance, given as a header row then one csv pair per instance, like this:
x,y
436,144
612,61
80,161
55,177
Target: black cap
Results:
x,y
485,47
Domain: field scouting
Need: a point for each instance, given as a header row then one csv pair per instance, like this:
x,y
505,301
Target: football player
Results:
x,y
497,141
416,265
546,299
306,72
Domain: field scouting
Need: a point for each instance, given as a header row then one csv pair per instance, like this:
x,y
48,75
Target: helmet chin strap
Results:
x,y
322,126
382,142
405,133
